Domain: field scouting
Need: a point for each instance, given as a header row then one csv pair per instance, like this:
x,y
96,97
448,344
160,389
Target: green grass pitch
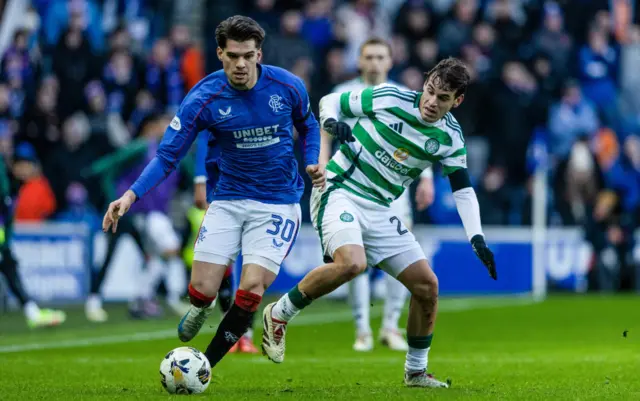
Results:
x,y
565,348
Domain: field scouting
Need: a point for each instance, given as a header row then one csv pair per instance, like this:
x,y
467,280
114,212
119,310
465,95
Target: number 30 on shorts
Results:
x,y
286,233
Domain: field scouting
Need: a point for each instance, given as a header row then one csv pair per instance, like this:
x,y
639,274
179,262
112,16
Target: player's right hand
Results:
x,y
484,254
424,194
116,210
200,195
318,175
339,130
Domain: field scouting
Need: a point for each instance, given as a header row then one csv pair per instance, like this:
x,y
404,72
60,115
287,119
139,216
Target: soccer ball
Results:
x,y
185,370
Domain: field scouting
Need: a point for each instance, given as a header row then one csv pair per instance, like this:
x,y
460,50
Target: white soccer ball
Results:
x,y
185,370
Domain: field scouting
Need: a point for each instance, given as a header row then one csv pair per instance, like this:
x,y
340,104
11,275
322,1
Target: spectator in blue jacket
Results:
x,y
598,71
58,16
572,117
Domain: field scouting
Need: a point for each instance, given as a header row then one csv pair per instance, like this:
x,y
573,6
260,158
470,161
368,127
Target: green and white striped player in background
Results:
x,y
374,64
352,214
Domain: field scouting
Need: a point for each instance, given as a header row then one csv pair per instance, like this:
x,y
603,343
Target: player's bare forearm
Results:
x,y
425,193
200,195
129,194
326,141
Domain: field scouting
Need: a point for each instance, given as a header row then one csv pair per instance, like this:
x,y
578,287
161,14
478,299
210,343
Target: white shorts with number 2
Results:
x,y
341,218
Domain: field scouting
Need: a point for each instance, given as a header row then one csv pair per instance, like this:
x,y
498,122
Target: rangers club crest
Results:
x,y
275,102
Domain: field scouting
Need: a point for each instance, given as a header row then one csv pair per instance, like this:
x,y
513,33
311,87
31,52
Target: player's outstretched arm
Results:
x,y
469,211
326,142
425,192
178,137
330,114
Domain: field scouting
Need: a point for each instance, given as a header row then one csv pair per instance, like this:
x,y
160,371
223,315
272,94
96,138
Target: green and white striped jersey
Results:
x,y
393,143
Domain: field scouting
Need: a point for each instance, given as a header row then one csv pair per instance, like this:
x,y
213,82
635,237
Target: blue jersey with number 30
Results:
x,y
254,131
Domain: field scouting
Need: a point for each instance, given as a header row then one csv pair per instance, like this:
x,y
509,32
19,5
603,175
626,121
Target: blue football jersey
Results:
x,y
254,132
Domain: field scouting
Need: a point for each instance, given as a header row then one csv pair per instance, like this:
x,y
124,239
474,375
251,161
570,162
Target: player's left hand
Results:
x,y
484,254
339,129
318,175
116,210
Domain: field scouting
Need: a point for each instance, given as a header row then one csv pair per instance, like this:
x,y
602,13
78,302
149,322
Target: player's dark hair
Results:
x,y
376,41
240,29
450,74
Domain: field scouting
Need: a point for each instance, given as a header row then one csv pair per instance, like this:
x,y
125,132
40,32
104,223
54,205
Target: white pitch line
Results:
x,y
449,305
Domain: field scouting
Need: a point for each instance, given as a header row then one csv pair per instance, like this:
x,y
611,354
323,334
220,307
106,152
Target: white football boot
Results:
x,y
423,379
94,311
393,339
192,322
273,333
47,318
363,343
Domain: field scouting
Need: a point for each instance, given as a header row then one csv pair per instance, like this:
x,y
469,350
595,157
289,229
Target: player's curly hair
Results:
x,y
450,74
241,29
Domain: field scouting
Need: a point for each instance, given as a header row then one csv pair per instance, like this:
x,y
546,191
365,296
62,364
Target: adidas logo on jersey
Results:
x,y
388,161
397,127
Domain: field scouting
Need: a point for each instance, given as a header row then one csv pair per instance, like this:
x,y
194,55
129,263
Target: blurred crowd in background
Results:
x,y
81,79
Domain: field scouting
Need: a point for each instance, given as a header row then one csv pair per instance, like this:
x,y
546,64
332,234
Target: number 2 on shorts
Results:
x,y
401,231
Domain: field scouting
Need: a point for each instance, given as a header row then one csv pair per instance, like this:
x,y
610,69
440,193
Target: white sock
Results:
x,y
31,310
151,276
94,302
175,280
417,359
284,310
393,303
360,302
249,334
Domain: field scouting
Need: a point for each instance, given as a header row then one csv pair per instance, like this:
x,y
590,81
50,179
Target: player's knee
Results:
x,y
204,280
350,269
351,262
253,284
204,286
426,289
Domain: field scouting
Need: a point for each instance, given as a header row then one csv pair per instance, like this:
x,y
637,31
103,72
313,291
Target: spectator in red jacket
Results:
x,y
36,201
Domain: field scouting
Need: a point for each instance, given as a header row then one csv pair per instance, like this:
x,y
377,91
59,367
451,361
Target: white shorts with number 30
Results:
x,y
341,218
264,232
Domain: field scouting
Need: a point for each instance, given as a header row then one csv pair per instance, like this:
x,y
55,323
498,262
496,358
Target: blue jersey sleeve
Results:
x,y
305,123
180,134
202,144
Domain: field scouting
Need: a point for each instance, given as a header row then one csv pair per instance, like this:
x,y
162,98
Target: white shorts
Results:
x,y
159,234
341,218
402,208
265,233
